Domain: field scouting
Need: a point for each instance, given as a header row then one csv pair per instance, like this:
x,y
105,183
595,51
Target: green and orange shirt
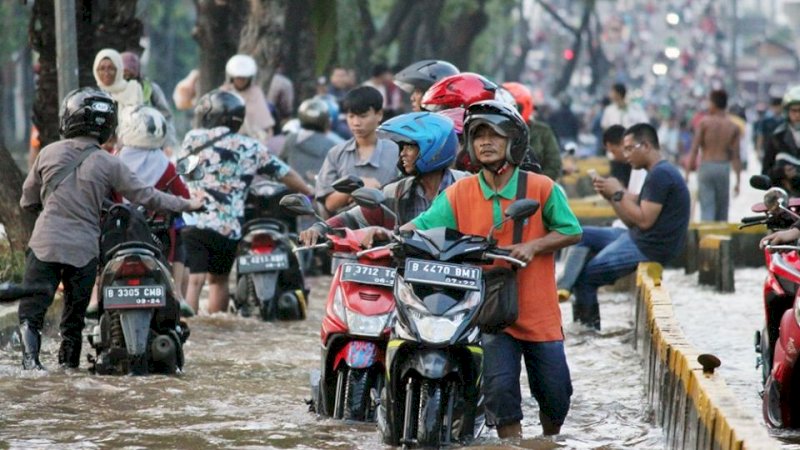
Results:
x,y
471,206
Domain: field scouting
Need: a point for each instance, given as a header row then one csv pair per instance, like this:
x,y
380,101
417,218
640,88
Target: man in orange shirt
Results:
x,y
497,139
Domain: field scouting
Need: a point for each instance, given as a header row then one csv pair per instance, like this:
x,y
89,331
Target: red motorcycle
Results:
x,y
778,342
355,330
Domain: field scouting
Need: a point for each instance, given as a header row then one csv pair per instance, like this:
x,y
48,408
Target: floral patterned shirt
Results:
x,y
229,166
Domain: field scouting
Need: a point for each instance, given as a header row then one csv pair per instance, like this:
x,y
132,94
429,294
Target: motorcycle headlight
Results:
x,y
362,325
431,328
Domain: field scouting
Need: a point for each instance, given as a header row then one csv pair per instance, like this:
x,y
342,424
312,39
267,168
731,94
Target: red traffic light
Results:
x,y
569,54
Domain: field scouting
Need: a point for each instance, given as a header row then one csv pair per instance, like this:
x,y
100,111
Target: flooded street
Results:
x,y
246,381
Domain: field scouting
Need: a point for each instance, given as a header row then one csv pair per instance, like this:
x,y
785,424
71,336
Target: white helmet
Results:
x,y
143,127
791,97
241,66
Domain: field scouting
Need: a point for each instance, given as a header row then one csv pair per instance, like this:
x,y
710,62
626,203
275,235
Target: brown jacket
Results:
x,y
68,229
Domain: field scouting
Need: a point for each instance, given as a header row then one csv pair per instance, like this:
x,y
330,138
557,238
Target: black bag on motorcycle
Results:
x,y
500,307
122,223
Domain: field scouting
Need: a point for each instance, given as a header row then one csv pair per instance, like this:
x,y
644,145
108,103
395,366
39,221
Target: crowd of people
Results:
x,y
465,150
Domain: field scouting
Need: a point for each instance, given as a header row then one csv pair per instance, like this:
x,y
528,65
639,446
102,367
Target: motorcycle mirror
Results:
x,y
347,184
297,204
369,198
775,198
760,182
522,209
190,166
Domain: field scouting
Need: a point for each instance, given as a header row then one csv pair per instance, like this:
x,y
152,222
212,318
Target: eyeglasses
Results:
x,y
794,110
630,148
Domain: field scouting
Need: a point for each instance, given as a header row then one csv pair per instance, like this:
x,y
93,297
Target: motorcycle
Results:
x,y
434,361
775,343
358,316
269,279
139,330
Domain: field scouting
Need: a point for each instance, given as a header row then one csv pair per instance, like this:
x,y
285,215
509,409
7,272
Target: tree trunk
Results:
x,y
17,222
457,43
569,68
262,37
41,33
299,54
217,34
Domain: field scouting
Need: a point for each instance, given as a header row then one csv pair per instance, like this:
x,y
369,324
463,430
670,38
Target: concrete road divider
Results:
x,y
695,408
744,244
714,262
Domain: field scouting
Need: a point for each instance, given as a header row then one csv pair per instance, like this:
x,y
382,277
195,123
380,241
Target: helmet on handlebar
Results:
x,y
503,119
434,134
220,109
88,112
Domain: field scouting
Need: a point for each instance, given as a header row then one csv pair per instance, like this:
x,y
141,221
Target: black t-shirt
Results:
x,y
663,241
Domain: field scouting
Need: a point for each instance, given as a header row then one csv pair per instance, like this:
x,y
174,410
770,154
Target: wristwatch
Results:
x,y
617,196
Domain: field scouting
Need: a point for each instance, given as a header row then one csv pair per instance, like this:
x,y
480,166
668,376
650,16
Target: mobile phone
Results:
x,y
592,173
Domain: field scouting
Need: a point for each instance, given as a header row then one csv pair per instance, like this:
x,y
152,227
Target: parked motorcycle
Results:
x,y
358,316
434,360
775,343
269,279
139,330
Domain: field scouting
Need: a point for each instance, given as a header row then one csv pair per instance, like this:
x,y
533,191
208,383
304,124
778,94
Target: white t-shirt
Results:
x,y
629,115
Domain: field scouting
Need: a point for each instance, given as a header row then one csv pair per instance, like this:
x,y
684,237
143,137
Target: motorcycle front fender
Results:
x,y
433,364
358,354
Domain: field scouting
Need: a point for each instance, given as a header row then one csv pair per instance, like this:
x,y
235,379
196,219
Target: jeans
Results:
x,y
615,255
713,190
78,283
548,378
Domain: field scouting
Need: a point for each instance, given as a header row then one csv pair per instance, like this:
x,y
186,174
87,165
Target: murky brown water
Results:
x,y
245,383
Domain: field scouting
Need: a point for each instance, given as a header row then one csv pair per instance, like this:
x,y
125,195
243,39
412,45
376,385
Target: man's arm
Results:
x,y
31,190
736,160
696,142
642,215
295,182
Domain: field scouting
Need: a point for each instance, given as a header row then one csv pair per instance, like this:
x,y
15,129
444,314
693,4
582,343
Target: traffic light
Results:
x,y
569,54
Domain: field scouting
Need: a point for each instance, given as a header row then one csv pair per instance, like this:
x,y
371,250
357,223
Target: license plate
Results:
x,y
131,297
359,273
263,263
442,274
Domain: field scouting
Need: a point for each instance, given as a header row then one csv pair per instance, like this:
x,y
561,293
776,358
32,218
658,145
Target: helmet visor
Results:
x,y
406,87
397,138
494,121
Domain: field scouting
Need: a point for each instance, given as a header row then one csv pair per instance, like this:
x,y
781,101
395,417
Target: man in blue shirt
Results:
x,y
657,221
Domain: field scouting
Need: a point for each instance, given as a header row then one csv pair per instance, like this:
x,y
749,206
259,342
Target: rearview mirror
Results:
x,y
760,182
297,204
348,184
369,198
522,209
190,167
775,198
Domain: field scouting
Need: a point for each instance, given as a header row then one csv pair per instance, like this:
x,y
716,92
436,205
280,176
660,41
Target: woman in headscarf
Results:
x,y
108,72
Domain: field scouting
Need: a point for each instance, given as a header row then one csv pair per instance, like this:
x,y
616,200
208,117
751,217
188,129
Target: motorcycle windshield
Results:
x,y
443,244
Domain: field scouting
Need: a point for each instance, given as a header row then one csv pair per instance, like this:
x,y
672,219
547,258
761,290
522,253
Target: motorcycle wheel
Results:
x,y
341,387
431,415
357,396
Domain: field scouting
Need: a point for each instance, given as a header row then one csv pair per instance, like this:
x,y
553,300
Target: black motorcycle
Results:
x,y
269,279
139,330
434,361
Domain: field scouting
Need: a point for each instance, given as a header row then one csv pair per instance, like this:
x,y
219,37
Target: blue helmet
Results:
x,y
434,134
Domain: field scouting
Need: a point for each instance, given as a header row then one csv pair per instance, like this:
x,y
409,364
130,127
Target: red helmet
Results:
x,y
458,91
457,116
523,97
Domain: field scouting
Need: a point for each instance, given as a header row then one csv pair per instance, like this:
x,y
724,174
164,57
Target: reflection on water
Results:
x,y
245,387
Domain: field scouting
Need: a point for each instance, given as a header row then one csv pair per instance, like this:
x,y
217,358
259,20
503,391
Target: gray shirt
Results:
x,y
343,160
68,229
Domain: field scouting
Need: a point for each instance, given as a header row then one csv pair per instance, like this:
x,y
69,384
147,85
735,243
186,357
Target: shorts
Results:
x,y
179,252
208,251
548,378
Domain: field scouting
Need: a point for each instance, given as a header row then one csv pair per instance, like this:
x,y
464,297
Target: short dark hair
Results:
x,y
644,132
613,135
619,88
379,69
361,99
719,98
776,101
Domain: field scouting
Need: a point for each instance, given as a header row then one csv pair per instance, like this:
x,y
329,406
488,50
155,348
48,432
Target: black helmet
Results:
x,y
314,114
220,109
505,120
422,74
88,112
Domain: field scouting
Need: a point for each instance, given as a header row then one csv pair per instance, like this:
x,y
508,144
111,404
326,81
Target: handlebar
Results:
x,y
754,219
782,247
375,249
10,292
507,259
311,247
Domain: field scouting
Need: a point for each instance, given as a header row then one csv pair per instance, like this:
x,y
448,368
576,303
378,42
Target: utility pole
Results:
x,y
66,47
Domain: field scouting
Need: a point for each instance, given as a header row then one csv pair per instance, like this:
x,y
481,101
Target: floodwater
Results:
x,y
246,381
725,325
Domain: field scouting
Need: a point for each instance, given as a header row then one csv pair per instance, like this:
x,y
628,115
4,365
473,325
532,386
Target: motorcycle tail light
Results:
x,y
132,268
262,244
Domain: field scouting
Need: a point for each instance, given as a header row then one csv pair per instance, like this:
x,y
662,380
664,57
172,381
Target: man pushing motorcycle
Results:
x,y
497,140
